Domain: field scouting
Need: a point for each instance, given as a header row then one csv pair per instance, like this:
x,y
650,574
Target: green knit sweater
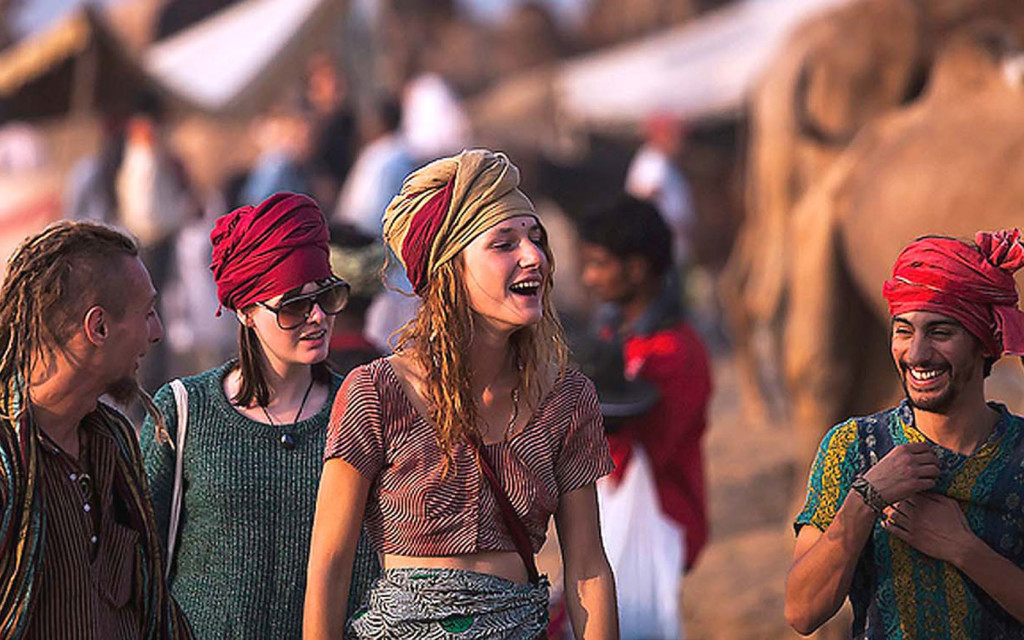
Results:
x,y
247,513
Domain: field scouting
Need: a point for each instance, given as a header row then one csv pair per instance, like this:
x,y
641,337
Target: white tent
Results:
x,y
238,59
704,68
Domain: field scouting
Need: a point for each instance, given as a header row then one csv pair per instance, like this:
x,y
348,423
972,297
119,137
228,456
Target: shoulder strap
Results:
x,y
515,525
181,402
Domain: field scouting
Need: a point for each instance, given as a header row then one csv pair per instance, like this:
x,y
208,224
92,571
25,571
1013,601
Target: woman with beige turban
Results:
x,y
460,447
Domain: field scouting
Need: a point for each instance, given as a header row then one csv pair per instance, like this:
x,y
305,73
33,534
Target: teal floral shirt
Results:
x,y
898,592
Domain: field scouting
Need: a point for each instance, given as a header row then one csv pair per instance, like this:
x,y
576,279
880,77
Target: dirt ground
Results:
x,y
736,590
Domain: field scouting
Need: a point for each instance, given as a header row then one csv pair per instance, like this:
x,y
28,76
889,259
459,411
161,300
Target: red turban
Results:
x,y
973,284
263,251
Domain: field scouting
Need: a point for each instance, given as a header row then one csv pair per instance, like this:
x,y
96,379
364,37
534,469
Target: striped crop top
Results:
x,y
411,510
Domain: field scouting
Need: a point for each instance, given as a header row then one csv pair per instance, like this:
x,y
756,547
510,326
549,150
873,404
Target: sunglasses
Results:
x,y
294,312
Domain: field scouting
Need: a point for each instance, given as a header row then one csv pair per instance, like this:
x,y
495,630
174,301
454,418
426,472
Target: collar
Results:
x,y
905,415
663,313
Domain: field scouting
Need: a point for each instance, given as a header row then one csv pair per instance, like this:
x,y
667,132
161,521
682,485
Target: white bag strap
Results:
x,y
181,400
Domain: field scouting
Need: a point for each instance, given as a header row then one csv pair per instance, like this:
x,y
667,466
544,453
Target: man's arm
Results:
x,y
824,561
936,526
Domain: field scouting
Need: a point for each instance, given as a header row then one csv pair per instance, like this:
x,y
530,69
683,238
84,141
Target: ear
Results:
x,y
97,325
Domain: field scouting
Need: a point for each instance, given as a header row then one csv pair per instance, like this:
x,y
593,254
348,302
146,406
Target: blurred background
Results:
x,y
792,147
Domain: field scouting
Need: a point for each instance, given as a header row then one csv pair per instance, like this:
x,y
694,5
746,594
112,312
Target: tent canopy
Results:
x,y
703,69
238,59
77,64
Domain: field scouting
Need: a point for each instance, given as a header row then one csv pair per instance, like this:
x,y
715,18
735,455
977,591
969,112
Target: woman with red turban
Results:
x,y
461,446
255,430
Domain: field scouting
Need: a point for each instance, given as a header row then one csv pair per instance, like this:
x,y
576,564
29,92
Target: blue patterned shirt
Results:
x,y
898,592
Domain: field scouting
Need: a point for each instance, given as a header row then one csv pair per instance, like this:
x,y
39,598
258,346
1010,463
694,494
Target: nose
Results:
x,y
531,255
919,349
156,329
316,314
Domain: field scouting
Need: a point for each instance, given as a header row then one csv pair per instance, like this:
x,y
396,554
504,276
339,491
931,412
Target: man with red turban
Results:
x,y
917,512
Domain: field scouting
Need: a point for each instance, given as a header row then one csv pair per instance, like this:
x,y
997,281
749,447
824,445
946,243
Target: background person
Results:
x,y
256,429
626,252
479,376
359,259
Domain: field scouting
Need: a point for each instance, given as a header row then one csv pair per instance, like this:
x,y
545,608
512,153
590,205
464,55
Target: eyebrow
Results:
x,y
929,325
504,231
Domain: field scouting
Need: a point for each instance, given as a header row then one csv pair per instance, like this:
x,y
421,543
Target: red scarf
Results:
x,y
972,284
263,251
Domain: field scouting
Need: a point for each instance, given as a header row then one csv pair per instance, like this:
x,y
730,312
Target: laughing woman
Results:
x,y
256,430
461,446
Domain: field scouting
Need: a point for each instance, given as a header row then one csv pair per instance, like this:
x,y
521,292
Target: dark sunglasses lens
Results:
x,y
294,313
333,300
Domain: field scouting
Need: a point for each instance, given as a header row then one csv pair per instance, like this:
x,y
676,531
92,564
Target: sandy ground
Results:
x,y
736,590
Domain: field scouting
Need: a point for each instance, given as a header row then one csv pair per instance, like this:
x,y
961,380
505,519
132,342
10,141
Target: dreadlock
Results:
x,y
51,280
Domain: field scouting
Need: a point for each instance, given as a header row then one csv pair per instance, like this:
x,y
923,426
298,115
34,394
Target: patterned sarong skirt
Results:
x,y
447,604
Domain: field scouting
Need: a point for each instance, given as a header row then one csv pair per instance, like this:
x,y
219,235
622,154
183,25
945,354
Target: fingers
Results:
x,y
897,524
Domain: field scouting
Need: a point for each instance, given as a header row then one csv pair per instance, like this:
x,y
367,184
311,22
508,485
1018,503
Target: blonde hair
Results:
x,y
438,339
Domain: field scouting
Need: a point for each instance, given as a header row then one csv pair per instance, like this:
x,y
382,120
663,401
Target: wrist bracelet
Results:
x,y
869,494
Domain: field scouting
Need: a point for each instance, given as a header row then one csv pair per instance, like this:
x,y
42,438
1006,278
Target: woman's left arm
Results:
x,y
589,584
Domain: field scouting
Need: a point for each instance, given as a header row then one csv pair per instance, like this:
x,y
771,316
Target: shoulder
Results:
x,y
859,430
118,426
210,380
572,393
372,377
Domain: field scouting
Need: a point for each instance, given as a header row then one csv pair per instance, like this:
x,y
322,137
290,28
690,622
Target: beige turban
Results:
x,y
483,187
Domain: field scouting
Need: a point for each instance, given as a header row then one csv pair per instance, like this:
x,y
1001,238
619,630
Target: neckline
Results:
x,y
227,409
906,418
419,416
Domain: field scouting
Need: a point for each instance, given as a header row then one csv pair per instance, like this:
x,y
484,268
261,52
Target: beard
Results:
x,y
124,391
942,401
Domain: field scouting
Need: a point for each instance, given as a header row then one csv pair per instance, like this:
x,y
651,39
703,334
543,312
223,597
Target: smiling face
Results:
x,y
506,271
307,343
937,359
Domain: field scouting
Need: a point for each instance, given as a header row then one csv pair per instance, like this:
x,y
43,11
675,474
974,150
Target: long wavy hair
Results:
x,y
438,338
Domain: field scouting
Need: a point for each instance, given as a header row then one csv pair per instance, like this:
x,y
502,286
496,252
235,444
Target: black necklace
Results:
x,y
287,439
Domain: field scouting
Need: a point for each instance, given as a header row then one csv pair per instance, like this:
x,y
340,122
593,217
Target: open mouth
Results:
x,y
922,377
528,288
314,335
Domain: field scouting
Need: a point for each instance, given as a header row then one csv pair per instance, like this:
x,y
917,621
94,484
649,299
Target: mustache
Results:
x,y
904,365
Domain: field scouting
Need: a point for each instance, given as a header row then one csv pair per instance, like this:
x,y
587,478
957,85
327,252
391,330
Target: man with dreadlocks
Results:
x,y
79,552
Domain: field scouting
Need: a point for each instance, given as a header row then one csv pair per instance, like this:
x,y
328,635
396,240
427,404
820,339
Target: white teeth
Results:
x,y
925,375
525,287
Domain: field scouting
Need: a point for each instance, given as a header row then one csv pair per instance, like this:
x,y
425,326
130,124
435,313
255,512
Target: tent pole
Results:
x,y
83,84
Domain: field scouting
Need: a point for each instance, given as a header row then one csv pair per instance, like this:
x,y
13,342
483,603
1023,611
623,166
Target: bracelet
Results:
x,y
871,496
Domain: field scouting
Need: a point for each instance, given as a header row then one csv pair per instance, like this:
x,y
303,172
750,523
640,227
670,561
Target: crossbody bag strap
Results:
x,y
181,402
520,536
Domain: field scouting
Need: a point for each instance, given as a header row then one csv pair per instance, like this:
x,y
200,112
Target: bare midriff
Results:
x,y
504,564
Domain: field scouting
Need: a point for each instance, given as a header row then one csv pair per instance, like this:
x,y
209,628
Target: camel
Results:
x,y
951,164
837,73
